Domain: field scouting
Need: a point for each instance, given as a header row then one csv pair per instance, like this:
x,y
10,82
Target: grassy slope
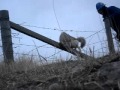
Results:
x,y
28,75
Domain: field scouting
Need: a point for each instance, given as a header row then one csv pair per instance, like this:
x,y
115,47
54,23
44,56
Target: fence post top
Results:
x,y
4,15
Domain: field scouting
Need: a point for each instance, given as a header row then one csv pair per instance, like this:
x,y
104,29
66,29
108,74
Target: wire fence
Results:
x,y
95,45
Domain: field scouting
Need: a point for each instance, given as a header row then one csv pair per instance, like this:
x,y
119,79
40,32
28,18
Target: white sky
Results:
x,y
75,15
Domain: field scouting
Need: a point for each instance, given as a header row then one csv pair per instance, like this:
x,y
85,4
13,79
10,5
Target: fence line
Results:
x,y
55,29
61,51
33,34
43,46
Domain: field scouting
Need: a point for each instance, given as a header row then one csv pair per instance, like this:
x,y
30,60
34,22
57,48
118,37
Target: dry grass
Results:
x,y
25,71
27,74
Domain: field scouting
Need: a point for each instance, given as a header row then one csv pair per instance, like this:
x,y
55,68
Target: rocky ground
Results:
x,y
99,74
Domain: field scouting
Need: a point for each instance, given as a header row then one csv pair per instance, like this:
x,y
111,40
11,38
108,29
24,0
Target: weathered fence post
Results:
x,y
109,36
6,36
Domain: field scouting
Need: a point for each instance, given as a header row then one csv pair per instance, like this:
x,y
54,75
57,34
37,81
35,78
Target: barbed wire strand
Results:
x,y
94,34
55,14
53,54
100,41
55,29
61,30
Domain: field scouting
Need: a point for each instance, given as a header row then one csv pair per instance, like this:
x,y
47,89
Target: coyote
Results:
x,y
70,42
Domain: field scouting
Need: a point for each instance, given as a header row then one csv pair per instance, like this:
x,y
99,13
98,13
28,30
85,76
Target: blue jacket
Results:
x,y
113,13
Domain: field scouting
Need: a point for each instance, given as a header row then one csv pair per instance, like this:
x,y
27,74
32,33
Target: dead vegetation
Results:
x,y
88,74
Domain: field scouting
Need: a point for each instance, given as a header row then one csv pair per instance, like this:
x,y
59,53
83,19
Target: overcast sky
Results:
x,y
47,15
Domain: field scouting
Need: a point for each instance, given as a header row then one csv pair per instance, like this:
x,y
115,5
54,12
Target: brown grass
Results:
x,y
27,74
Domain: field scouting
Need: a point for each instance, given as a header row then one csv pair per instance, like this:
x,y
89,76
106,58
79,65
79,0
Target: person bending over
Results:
x,y
113,14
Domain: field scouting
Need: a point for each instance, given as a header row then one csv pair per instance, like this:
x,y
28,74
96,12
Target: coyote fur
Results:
x,y
70,42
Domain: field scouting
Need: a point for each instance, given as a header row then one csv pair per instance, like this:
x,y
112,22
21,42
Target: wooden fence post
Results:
x,y
109,36
6,36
